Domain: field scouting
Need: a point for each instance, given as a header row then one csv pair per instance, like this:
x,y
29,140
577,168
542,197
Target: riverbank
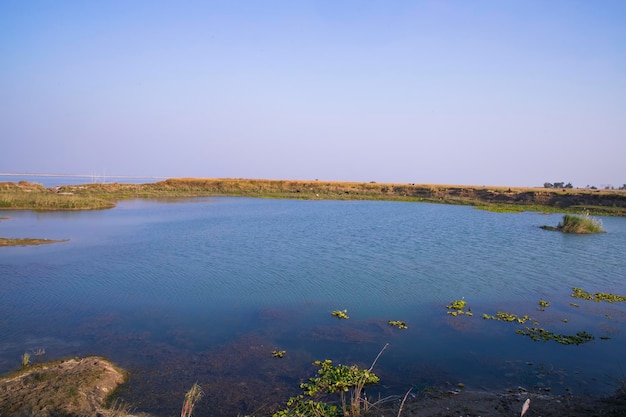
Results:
x,y
30,196
81,386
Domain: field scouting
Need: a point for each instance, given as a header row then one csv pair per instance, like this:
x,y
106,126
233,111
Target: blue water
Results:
x,y
186,290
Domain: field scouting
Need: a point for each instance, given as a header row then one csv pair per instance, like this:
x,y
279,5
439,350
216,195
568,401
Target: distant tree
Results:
x,y
548,185
569,185
623,187
593,187
559,185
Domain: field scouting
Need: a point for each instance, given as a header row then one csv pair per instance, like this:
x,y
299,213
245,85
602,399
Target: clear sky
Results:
x,y
503,92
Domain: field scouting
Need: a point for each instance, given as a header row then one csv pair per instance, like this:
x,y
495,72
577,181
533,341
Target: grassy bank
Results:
x,y
27,241
28,196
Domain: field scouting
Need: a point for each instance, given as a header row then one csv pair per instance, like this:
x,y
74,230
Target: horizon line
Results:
x,y
13,174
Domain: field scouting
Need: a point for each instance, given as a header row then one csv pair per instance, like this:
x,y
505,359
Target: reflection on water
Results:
x,y
182,292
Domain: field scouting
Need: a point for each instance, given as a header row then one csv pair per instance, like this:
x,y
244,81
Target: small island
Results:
x,y
577,225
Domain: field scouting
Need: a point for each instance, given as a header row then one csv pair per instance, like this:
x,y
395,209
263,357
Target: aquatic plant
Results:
x,y
503,316
597,297
457,307
278,353
341,314
346,381
191,398
399,324
577,224
539,334
543,304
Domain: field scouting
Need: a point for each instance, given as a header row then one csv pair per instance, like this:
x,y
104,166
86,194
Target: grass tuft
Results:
x,y
580,224
191,398
577,224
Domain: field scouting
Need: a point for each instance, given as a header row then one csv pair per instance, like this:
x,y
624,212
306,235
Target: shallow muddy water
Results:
x,y
205,289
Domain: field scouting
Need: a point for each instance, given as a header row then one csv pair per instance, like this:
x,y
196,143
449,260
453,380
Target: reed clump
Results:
x,y
577,224
191,398
580,224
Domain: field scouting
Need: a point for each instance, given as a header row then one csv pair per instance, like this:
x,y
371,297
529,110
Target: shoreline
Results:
x,y
84,386
33,196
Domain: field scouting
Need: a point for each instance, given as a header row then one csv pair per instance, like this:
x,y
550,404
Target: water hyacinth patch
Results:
x,y
457,308
340,314
502,316
399,324
538,334
597,297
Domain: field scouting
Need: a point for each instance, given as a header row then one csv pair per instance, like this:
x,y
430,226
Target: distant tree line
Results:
x,y
557,185
569,185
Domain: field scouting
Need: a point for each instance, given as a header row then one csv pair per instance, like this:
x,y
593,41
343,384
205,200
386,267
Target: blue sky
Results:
x,y
450,92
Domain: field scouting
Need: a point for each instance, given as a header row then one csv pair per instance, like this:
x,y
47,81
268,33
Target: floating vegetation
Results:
x,y
574,305
597,297
399,324
502,316
457,308
543,304
341,314
278,353
538,334
605,337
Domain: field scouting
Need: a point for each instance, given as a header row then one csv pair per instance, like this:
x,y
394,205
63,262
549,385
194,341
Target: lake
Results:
x,y
204,289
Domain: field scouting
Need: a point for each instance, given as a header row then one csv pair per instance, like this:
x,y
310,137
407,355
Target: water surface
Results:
x,y
204,289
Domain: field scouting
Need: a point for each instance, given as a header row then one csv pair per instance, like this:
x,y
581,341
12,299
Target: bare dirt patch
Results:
x,y
69,387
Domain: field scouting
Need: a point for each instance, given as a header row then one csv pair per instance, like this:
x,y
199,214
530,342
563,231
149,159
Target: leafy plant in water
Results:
x,y
503,316
341,314
399,324
543,304
539,334
457,307
346,381
278,353
597,297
